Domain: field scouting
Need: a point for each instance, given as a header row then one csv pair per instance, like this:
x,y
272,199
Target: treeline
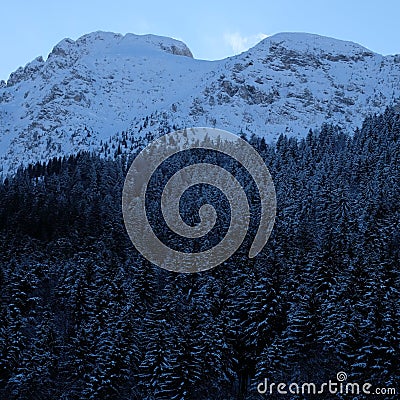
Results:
x,y
84,316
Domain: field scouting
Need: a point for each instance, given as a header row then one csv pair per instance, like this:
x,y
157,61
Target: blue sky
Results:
x,y
212,29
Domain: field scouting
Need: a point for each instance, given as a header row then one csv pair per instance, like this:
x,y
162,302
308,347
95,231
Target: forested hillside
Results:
x,y
84,316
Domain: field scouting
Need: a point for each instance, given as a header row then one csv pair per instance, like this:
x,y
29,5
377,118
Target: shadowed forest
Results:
x,y
84,316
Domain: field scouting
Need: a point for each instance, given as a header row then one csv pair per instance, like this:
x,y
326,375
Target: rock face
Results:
x,y
91,90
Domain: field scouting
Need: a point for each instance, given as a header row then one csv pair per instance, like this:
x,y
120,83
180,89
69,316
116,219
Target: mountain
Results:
x,y
105,89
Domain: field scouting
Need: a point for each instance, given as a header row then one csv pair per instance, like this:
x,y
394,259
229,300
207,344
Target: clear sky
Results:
x,y
212,29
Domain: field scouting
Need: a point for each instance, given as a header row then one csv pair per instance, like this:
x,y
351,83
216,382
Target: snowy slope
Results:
x,y
92,89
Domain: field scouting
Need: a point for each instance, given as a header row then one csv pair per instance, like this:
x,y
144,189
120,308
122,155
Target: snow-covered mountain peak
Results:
x,y
312,44
100,45
129,44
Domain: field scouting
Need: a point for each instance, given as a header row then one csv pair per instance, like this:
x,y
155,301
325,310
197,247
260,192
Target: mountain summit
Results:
x,y
90,90
100,43
308,43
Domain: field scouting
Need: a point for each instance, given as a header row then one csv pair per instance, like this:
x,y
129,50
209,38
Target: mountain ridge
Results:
x,y
91,89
